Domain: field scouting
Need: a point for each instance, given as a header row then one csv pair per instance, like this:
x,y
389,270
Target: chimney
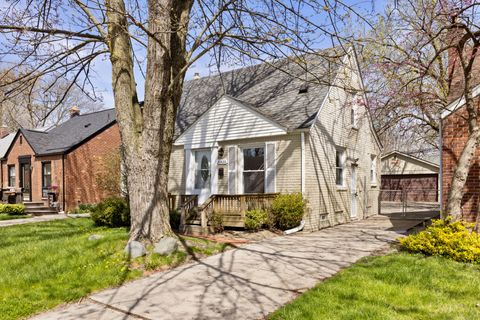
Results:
x,y
74,111
196,75
4,131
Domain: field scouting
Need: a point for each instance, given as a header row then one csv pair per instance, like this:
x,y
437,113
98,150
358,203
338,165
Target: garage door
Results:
x,y
415,187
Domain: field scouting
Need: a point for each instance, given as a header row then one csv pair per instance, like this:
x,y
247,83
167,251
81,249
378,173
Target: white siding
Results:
x,y
228,120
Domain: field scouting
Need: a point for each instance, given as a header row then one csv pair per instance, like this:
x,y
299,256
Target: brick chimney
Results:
x,y
455,71
4,131
74,111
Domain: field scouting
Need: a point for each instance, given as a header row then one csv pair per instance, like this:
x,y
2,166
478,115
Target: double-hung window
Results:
x,y
46,178
373,170
254,170
340,167
11,175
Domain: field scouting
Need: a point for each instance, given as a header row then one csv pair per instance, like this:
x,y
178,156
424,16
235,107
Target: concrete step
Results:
x,y
34,204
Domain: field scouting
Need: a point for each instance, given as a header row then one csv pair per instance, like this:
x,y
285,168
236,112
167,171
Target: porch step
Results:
x,y
38,208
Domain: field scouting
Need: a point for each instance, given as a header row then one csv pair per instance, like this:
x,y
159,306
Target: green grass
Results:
x,y
45,264
4,216
397,286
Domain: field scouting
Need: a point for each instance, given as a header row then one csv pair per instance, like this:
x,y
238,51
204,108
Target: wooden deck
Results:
x,y
232,208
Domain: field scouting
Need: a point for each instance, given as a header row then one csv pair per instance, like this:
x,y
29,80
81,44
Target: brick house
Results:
x,y
454,133
63,160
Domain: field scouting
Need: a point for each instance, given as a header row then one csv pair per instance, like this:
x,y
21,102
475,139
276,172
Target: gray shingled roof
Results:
x,y
273,91
270,89
5,143
70,133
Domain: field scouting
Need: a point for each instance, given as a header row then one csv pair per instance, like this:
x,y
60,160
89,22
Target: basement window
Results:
x,y
303,88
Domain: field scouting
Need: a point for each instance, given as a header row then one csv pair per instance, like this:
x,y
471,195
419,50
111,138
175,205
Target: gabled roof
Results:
x,y
396,152
5,143
69,134
458,103
271,89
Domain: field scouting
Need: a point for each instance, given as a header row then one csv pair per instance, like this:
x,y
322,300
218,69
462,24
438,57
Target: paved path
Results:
x,y
46,217
246,283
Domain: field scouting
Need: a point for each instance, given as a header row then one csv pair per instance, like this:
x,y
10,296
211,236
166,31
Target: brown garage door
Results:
x,y
415,187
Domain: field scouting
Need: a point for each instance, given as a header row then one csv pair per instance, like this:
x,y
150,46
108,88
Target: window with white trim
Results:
x,y
373,169
340,167
254,170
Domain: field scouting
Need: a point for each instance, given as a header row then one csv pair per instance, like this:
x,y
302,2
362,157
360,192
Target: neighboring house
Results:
x,y
454,134
260,130
416,177
63,160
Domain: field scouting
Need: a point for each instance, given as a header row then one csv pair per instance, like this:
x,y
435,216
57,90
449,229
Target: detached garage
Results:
x,y
406,176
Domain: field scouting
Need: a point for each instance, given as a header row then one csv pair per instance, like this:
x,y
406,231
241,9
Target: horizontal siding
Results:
x,y
406,165
228,120
327,204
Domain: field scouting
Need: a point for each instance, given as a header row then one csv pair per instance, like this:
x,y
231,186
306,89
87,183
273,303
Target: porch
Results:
x,y
231,208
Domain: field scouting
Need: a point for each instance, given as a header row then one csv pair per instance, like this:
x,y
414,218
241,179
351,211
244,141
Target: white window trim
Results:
x,y
373,170
273,169
343,186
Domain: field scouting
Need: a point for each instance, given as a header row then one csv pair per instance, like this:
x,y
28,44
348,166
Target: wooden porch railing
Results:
x,y
234,205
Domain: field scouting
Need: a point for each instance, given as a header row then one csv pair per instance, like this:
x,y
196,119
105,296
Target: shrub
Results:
x,y
453,240
175,219
287,210
216,221
112,212
13,209
256,219
84,208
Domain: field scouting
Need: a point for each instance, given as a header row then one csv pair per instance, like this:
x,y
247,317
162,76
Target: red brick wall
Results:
x,y
83,164
454,136
21,148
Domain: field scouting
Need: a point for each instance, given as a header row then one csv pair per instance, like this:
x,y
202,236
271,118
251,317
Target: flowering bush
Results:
x,y
454,240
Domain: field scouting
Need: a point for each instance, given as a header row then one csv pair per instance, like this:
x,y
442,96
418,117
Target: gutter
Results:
x,y
302,165
63,182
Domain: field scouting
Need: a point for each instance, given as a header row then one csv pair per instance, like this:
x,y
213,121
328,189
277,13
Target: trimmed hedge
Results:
x,y
112,212
288,210
454,240
13,209
256,219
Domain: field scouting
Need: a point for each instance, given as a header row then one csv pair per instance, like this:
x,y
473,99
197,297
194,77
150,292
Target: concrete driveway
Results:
x,y
245,283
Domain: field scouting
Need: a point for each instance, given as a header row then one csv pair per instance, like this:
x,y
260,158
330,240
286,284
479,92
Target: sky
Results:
x,y
102,81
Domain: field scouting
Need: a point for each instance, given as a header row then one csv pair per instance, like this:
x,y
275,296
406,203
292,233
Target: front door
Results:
x,y
25,179
354,194
203,179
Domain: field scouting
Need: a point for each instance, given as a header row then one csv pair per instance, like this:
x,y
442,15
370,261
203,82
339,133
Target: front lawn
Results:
x,y
45,264
396,286
5,216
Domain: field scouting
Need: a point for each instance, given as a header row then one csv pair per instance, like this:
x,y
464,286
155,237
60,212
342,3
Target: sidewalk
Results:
x,y
245,283
46,217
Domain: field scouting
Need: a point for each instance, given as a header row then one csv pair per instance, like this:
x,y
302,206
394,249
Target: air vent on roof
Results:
x,y
303,88
87,125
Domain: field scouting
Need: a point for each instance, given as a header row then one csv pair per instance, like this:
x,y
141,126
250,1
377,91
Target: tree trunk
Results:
x,y
460,174
147,133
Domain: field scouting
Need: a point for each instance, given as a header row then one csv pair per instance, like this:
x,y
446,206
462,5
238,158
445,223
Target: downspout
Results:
x,y
302,181
63,182
440,175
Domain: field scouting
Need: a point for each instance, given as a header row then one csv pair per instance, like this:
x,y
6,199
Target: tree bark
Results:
x,y
147,132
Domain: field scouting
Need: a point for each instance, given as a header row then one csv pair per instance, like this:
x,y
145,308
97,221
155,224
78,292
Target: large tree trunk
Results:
x,y
147,133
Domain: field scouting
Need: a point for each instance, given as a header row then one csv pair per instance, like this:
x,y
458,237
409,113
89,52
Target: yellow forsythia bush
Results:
x,y
453,240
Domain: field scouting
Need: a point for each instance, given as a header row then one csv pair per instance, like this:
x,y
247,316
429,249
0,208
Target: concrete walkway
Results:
x,y
246,283
46,217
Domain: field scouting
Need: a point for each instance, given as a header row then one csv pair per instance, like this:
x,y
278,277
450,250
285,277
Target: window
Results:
x,y
46,178
202,169
254,170
11,176
373,170
340,167
352,116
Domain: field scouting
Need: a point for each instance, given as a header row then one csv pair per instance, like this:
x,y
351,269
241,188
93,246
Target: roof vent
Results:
x,y
74,111
87,125
303,88
196,75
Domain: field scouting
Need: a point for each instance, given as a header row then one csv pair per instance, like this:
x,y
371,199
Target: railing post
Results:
x,y
182,219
